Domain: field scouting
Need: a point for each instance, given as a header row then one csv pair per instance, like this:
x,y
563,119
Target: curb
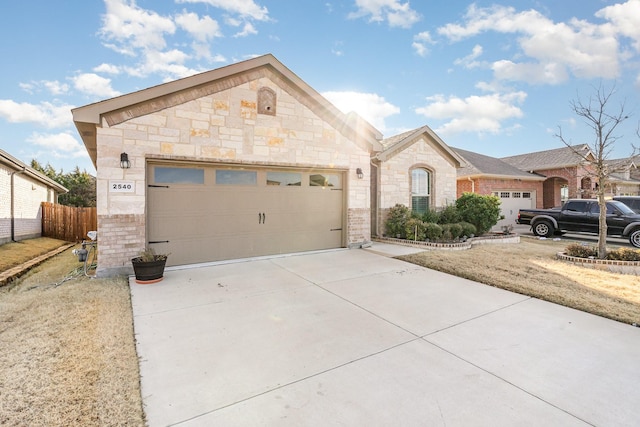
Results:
x,y
13,273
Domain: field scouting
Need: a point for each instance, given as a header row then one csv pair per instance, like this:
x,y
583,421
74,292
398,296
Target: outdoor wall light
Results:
x,y
359,173
124,161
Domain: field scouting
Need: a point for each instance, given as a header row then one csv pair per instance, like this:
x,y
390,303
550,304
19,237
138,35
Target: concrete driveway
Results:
x,y
355,338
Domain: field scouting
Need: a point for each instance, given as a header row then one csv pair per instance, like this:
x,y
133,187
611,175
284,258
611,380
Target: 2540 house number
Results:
x,y
122,186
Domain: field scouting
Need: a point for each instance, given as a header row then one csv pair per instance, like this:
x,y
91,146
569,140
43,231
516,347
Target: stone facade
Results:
x,y
394,185
217,127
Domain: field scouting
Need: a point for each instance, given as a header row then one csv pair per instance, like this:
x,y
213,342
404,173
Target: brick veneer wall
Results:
x,y
489,185
219,127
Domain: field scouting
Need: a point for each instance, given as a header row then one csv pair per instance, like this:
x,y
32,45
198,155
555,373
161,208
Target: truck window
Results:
x,y
576,206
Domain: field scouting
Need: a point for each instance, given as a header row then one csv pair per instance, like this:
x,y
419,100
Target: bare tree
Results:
x,y
603,119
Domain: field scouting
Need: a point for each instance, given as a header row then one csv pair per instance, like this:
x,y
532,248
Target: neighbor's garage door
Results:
x,y
512,202
210,213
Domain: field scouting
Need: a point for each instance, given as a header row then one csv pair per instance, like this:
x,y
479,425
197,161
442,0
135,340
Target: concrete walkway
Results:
x,y
354,338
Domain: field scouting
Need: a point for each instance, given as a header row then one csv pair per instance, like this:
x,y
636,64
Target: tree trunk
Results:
x,y
602,226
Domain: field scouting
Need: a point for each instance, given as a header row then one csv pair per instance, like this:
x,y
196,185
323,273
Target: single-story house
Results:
x,y
516,189
243,161
624,179
568,174
23,190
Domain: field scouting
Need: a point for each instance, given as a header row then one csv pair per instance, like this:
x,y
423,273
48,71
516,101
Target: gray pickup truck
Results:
x,y
582,216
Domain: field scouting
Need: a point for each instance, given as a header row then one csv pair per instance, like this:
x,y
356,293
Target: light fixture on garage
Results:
x,y
124,161
359,173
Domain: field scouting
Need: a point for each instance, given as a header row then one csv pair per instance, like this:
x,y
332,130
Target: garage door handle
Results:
x,y
261,218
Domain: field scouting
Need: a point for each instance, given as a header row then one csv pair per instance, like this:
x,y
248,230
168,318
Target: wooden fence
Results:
x,y
67,222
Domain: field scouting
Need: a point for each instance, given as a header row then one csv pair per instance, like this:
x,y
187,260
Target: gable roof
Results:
x,y
479,165
13,163
122,108
395,144
550,159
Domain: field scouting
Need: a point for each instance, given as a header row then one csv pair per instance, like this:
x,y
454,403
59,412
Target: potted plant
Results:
x,y
148,266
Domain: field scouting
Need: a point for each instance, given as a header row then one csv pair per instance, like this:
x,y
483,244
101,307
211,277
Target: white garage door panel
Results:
x,y
510,204
209,222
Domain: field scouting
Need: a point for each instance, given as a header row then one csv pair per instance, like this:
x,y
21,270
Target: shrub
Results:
x,y
456,230
483,211
397,221
449,215
446,233
468,229
432,231
624,254
581,251
415,229
430,216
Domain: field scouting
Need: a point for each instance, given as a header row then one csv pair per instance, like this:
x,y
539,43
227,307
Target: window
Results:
x,y
236,177
167,175
505,195
420,190
515,195
324,180
526,195
285,179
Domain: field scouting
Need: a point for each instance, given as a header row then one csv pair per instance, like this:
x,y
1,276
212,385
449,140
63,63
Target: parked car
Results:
x,y
582,216
632,201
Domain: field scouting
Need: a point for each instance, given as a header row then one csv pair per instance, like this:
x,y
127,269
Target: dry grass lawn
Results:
x,y
16,253
530,268
68,355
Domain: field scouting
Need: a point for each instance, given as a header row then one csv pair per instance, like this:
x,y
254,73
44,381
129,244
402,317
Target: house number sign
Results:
x,y
122,187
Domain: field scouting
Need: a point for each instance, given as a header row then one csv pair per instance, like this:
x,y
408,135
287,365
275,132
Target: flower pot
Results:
x,y
148,271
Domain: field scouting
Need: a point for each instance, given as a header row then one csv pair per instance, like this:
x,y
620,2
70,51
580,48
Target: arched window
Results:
x,y
420,190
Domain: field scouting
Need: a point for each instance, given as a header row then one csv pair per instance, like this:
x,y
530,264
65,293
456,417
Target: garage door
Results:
x,y
512,202
211,213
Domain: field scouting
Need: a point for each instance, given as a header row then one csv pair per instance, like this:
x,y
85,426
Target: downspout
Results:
x,y
473,184
13,218
377,194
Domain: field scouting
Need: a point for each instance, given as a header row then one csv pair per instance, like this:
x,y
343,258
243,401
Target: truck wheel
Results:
x,y
544,229
634,238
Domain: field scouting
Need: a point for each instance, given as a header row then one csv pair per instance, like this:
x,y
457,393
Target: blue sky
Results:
x,y
488,76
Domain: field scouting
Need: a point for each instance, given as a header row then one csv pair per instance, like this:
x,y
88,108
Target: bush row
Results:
x,y
480,211
587,251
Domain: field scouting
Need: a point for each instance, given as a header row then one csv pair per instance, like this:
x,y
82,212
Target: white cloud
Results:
x,y
552,50
469,61
44,114
478,114
420,42
59,145
397,14
107,68
372,107
52,86
128,28
202,29
93,84
245,8
625,17
247,30
170,64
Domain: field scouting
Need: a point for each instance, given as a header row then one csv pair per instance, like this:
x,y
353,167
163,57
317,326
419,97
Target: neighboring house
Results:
x,y
567,174
624,179
22,191
416,169
487,175
247,160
